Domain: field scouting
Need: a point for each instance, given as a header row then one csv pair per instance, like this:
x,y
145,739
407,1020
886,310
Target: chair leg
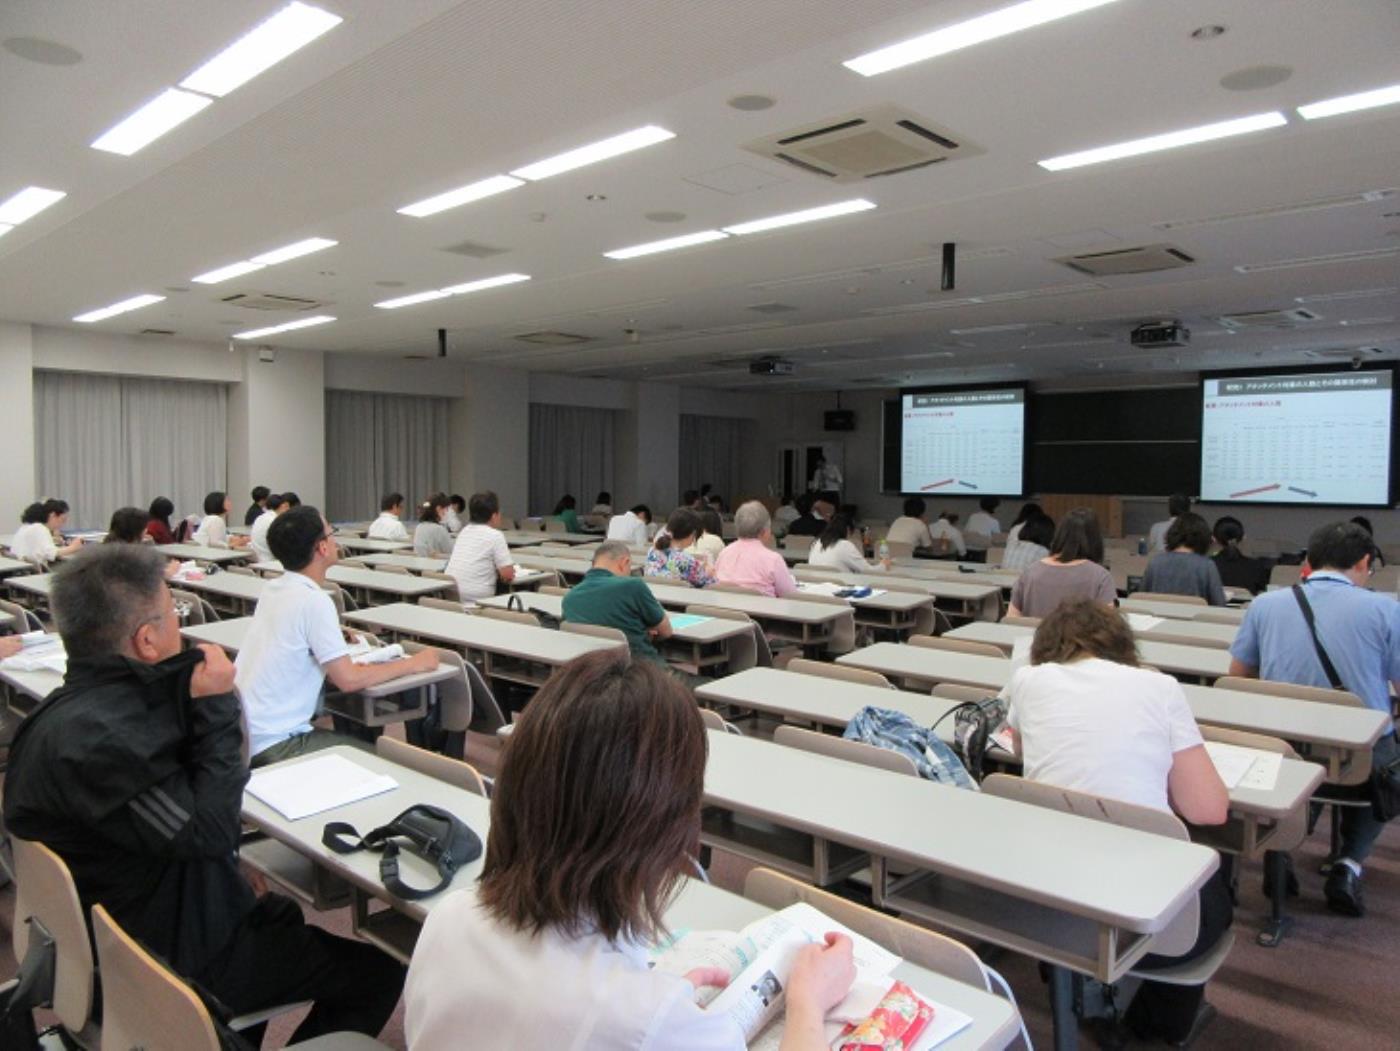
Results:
x,y
1336,832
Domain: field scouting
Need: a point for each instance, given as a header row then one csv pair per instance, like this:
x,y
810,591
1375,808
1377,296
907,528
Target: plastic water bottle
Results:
x,y
1142,545
884,550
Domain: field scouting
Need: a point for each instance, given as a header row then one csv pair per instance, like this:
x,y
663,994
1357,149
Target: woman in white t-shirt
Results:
x,y
550,947
837,548
38,538
213,530
1086,717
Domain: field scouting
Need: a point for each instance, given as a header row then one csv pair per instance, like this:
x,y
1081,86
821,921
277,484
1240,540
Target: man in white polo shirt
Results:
x,y
295,644
389,524
631,526
481,557
277,503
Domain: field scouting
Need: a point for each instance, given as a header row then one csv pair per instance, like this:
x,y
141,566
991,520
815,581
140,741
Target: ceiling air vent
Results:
x,y
1269,319
157,332
271,301
552,339
1143,259
882,140
475,250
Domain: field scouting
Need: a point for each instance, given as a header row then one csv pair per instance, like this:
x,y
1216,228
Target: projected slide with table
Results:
x,y
1321,438
963,443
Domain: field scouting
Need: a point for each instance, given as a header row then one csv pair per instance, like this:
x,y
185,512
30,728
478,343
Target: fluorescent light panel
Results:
x,y
628,141
1168,141
28,203
289,30
294,251
5,228
810,215
290,326
485,283
224,273
134,303
462,195
669,244
171,108
990,26
1351,103
411,300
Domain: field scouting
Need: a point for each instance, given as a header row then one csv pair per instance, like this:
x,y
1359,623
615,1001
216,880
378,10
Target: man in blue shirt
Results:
x,y
1360,632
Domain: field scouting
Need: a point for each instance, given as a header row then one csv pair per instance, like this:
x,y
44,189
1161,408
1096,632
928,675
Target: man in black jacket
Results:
x,y
133,772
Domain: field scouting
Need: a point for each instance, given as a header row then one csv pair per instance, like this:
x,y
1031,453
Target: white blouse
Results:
x,y
476,980
842,555
212,532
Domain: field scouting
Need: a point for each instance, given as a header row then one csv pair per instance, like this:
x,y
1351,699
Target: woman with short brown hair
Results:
x,y
594,820
1073,569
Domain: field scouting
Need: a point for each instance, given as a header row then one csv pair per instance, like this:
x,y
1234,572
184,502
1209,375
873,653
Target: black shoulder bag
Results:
x,y
431,832
1385,776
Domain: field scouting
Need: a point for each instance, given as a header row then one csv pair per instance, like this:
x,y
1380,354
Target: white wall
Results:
x,y
431,378
74,350
491,436
17,488
277,426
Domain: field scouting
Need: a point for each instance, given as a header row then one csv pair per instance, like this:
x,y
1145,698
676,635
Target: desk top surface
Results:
x,y
1179,610
359,543
799,611
36,583
711,629
485,633
200,553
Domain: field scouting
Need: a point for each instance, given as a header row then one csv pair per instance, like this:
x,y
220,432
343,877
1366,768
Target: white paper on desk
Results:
x,y
45,658
821,588
376,654
325,782
1142,621
32,640
1245,767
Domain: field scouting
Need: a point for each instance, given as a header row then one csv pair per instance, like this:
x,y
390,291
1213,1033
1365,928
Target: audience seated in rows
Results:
x,y
389,525
149,824
1013,535
1183,568
213,527
814,511
610,596
673,557
602,505
1073,569
295,643
749,562
481,557
128,526
1086,717
430,537
839,548
455,516
982,524
711,541
549,948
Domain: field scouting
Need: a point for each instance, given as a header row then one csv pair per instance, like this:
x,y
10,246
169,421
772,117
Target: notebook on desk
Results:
x,y
298,790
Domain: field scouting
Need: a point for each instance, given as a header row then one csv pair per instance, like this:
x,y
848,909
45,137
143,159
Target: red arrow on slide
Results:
x,y
949,481
1251,492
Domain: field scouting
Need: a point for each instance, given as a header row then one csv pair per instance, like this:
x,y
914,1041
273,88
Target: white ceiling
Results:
x,y
410,98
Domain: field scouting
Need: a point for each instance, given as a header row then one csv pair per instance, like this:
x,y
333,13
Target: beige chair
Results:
x,y
714,721
514,616
446,604
900,548
555,525
21,619
840,748
47,909
956,692
1166,596
942,642
1285,576
443,767
552,589
1023,622
340,598
995,555
389,567
842,638
598,631
733,588
240,570
824,670
449,592
196,608
146,1006
1215,617
745,651
1177,937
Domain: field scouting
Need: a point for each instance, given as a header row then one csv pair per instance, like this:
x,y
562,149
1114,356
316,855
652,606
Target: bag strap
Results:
x,y
377,840
1327,666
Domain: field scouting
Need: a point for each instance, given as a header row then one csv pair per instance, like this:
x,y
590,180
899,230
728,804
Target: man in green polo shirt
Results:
x,y
610,596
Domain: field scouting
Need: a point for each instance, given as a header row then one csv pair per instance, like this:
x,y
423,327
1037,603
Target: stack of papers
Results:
x,y
1246,768
298,790
42,652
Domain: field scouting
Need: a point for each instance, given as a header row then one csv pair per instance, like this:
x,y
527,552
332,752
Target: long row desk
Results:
x,y
241,592
9,566
802,621
200,553
930,666
698,907
1182,632
975,599
1181,610
351,575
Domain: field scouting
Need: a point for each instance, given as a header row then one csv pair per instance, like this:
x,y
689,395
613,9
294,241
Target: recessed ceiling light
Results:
x,y
1207,32
411,300
1351,103
134,303
665,217
485,283
45,52
171,108
809,215
751,103
667,245
28,203
224,273
294,251
462,195
1255,78
289,30
1169,140
288,326
994,24
636,139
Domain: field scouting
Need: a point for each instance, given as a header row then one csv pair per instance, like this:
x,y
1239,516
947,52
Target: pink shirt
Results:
x,y
750,564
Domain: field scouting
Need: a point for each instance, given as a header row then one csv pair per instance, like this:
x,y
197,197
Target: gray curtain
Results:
x,y
103,442
383,443
712,450
571,451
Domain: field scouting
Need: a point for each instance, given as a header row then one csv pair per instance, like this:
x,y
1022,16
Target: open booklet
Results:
x,y
759,959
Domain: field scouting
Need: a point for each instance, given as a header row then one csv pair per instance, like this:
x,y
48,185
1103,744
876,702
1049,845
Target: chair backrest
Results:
x,y
1166,596
455,695
1215,617
942,642
918,945
1023,622
240,570
339,598
1178,936
552,589
850,751
714,721
390,567
1245,739
515,616
900,548
145,1005
1321,694
598,631
21,619
825,670
735,588
444,768
46,894
555,525
995,555
1284,576
451,592
744,651
955,692
197,610
446,604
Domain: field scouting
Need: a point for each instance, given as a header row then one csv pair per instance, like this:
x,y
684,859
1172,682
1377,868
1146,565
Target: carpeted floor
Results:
x,y
1334,983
